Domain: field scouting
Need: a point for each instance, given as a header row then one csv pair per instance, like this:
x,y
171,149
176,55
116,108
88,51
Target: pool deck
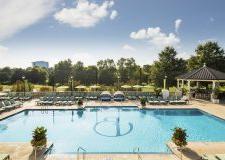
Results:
x,y
22,151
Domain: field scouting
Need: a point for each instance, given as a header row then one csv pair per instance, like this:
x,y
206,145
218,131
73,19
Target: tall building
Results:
x,y
40,64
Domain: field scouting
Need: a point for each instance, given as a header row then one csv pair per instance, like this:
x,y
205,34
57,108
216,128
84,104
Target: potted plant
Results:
x,y
80,102
143,101
39,139
215,95
179,138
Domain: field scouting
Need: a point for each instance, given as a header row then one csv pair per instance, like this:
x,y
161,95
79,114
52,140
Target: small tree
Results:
x,y
39,137
179,137
143,101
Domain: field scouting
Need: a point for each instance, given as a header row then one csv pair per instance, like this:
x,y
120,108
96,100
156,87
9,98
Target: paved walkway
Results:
x,y
20,151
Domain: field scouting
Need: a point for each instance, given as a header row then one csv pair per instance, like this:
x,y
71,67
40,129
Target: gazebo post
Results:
x,y
178,84
189,88
182,84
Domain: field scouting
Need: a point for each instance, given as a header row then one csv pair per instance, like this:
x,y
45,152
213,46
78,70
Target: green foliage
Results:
x,y
158,91
209,53
107,72
19,86
62,71
45,89
39,137
36,75
167,65
143,101
1,88
179,137
216,92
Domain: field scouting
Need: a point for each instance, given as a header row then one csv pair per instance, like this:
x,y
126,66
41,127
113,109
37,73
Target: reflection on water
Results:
x,y
80,113
114,125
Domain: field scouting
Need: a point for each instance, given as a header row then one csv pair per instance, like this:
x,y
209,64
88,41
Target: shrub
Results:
x,y
19,86
1,88
179,137
157,91
45,89
39,137
143,101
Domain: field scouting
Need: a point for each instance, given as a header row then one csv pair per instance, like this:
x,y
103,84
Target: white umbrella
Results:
x,y
126,86
137,86
95,87
80,87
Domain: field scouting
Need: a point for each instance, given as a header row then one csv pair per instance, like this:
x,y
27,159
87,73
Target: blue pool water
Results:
x,y
112,129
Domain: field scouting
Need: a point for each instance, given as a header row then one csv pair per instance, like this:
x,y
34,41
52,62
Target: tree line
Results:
x,y
125,70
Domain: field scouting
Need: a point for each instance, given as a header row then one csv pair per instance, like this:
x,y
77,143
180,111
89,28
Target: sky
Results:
x,y
91,30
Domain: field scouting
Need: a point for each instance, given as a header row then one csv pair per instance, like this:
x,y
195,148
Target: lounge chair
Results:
x,y
4,156
8,105
209,157
220,156
119,96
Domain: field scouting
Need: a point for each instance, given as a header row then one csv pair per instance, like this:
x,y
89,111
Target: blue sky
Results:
x,y
90,30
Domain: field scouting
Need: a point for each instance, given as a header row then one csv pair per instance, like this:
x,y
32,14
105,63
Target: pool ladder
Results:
x,y
79,151
136,150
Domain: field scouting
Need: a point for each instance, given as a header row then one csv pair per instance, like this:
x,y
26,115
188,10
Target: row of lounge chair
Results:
x,y
69,100
7,105
17,97
161,101
213,157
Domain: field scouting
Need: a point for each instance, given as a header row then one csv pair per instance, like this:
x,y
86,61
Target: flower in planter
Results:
x,y
179,137
80,102
39,137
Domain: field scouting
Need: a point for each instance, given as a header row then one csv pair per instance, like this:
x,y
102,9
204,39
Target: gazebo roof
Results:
x,y
203,73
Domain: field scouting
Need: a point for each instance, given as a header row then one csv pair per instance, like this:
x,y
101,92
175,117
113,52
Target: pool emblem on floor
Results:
x,y
112,127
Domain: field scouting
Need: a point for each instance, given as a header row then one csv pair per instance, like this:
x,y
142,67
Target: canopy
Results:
x,y
105,93
126,86
80,87
148,86
95,87
203,74
118,93
137,86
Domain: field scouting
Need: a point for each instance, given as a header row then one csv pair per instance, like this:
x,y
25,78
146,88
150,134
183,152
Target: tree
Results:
x,y
107,71
209,53
127,70
63,71
167,65
5,75
36,75
18,73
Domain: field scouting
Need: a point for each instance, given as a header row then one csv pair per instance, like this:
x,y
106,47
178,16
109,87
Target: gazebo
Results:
x,y
203,74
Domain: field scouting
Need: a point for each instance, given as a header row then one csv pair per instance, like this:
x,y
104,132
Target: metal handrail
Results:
x,y
136,150
83,153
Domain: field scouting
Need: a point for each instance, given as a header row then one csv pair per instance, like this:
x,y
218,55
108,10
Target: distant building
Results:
x,y
40,64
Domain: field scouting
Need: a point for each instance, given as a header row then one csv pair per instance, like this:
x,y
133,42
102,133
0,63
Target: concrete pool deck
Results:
x,y
194,149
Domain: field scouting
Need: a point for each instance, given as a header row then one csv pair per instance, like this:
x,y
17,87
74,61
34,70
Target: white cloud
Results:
x,y
84,14
3,50
177,24
128,47
114,14
16,15
156,37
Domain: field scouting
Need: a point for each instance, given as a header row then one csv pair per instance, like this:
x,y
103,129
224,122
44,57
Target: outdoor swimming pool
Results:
x,y
112,129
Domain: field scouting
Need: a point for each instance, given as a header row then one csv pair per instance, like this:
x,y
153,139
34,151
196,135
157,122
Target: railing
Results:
x,y
79,149
136,150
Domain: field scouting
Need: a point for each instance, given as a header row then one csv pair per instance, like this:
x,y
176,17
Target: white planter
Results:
x,y
215,101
